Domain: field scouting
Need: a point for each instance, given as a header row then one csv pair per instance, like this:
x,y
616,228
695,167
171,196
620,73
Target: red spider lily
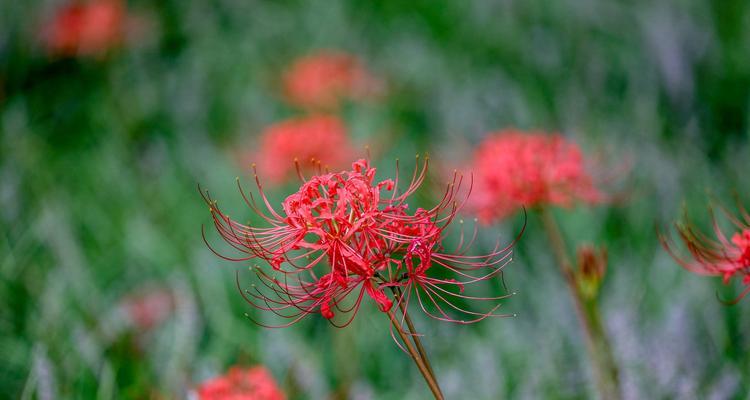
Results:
x,y
317,141
718,256
342,235
86,28
321,80
254,383
514,169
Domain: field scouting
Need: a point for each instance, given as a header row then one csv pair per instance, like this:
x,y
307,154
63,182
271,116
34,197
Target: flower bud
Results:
x,y
592,265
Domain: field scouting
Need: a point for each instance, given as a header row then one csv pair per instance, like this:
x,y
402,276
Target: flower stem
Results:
x,y
597,342
415,356
420,349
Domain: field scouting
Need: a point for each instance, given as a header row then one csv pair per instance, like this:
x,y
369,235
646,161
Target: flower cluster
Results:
x,y
515,169
719,255
87,29
322,80
317,142
254,383
346,233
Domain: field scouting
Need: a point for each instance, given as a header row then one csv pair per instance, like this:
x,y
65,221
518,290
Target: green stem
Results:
x,y
597,342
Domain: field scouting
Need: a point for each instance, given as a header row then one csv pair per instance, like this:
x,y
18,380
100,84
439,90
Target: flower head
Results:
x,y
254,383
322,80
346,236
317,142
514,169
723,256
86,28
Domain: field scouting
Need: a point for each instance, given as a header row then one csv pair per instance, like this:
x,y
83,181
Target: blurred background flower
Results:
x,y
89,28
314,144
85,28
513,169
324,79
148,308
238,383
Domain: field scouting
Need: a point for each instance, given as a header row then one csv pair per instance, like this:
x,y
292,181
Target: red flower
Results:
x,y
344,234
719,256
254,383
513,169
89,28
317,142
323,79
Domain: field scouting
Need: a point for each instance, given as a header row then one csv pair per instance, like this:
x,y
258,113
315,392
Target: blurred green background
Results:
x,y
100,158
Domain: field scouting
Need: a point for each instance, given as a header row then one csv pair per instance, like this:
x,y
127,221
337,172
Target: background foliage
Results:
x,y
99,161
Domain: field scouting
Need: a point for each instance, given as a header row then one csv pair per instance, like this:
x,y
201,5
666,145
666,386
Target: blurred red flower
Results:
x,y
85,28
148,308
323,79
513,169
341,233
317,142
254,383
718,256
